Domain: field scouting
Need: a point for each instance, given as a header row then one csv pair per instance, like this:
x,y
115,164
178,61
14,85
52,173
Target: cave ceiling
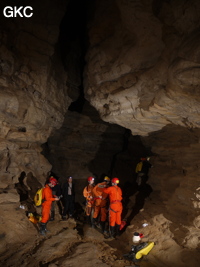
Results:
x,y
142,68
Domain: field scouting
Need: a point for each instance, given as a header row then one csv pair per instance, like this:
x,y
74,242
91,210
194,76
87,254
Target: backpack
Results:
x,y
139,167
38,197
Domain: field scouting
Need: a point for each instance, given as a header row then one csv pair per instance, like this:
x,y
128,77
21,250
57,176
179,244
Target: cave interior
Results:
x,y
88,88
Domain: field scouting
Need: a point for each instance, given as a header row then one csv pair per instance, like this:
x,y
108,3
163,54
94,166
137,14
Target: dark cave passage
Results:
x,y
73,47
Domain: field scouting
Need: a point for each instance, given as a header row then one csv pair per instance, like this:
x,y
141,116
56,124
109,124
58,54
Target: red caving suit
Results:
x,y
46,205
115,196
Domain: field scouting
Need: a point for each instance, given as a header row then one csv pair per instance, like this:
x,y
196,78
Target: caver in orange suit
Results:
x,y
88,194
47,199
100,201
115,210
46,205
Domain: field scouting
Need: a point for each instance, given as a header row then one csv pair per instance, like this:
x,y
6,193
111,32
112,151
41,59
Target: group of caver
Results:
x,y
103,202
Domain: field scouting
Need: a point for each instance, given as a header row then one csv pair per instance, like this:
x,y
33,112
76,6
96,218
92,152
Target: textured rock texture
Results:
x,y
33,91
143,64
33,100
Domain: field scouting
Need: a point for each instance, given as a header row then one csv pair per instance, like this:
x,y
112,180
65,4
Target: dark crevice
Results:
x,y
79,103
73,46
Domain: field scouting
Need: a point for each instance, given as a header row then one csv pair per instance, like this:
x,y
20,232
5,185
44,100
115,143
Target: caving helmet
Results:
x,y
90,178
107,179
115,180
53,181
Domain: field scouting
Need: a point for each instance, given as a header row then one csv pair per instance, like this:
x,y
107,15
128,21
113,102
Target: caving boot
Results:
x,y
94,222
103,224
87,219
111,233
117,227
52,216
47,231
42,230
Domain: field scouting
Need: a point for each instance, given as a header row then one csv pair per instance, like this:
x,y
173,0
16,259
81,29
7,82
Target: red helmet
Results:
x,y
53,181
90,178
115,180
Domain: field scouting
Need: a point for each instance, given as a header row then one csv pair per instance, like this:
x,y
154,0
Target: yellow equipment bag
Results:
x,y
144,251
139,167
38,198
138,251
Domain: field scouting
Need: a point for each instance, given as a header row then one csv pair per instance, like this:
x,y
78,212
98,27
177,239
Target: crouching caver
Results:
x,y
115,210
47,198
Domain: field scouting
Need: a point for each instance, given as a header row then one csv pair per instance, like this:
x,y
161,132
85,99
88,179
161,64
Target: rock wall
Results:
x,y
142,64
176,172
33,101
33,91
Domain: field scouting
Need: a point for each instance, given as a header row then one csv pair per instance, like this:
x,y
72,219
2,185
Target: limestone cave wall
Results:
x,y
33,95
143,63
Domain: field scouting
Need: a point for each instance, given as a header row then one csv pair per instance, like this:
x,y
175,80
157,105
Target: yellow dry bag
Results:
x,y
38,198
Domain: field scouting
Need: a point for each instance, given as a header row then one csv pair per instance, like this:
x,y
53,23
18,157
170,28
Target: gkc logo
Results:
x,y
13,12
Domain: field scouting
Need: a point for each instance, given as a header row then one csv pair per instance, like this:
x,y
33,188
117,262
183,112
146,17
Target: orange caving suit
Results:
x,y
88,194
100,203
46,205
115,196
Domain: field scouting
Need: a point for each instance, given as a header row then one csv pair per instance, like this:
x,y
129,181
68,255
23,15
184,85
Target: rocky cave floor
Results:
x,y
70,243
73,242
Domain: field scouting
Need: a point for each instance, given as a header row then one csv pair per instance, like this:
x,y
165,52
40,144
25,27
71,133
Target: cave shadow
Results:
x,y
23,192
141,195
21,188
118,154
33,184
113,143
72,120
